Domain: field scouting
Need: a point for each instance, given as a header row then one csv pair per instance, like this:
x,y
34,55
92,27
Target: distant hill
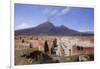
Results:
x,y
47,28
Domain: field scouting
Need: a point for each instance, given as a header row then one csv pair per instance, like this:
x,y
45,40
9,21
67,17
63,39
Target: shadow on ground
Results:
x,y
39,57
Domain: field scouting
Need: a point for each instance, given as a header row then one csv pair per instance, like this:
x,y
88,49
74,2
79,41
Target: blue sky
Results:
x,y
77,18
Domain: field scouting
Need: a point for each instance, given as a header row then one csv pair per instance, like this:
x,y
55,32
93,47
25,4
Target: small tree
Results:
x,y
46,48
55,43
23,41
30,45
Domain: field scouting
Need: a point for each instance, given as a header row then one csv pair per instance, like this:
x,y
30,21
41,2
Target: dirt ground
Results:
x,y
30,50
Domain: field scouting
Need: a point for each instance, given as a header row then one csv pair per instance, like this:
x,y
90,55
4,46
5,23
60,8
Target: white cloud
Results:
x,y
22,26
51,12
64,11
54,12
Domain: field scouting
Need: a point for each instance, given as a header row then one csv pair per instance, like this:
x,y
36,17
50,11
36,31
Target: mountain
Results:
x,y
47,28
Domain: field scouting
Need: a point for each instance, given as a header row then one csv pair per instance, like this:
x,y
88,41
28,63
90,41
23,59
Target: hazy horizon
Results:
x,y
76,18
